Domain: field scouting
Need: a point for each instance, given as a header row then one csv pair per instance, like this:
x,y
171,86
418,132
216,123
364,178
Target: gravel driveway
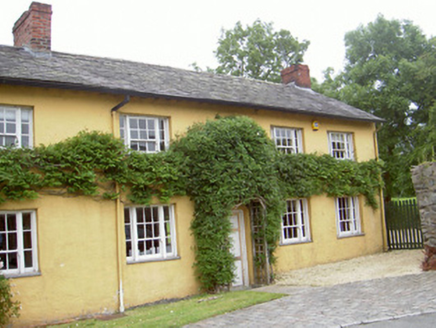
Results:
x,y
382,265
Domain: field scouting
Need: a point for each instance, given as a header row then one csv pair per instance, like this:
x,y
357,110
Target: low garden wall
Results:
x,y
424,181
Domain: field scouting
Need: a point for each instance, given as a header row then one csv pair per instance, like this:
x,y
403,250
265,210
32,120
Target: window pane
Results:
x,y
27,240
10,115
128,248
149,231
133,123
25,115
12,261
26,221
9,141
134,134
28,259
10,128
126,215
141,231
127,232
151,146
156,229
25,128
2,222
12,222
25,142
3,260
139,215
3,243
12,241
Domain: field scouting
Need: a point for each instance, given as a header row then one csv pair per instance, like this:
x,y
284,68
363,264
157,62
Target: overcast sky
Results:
x,y
179,32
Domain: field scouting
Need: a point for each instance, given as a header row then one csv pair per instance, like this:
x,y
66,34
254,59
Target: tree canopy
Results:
x,y
257,51
390,72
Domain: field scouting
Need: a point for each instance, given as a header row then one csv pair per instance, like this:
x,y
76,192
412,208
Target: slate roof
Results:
x,y
61,70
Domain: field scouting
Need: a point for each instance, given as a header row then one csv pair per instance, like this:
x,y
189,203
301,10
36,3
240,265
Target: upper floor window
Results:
x,y
18,253
341,145
287,140
150,233
15,127
145,133
295,222
347,216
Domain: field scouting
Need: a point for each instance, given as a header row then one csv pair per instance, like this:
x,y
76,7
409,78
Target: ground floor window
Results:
x,y
295,222
150,233
347,216
18,252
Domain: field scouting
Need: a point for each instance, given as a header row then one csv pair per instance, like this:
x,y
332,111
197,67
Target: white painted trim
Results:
x,y
296,136
126,131
348,144
354,206
302,204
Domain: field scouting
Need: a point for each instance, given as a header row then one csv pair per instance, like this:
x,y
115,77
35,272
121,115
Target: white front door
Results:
x,y
239,249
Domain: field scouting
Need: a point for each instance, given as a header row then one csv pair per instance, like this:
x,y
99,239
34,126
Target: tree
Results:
x,y
257,51
390,73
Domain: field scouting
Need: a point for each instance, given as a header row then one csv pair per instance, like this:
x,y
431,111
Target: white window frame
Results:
x,y
131,225
348,216
341,145
6,231
287,140
295,222
160,141
19,124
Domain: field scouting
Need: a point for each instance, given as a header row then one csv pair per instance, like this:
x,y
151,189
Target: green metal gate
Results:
x,y
403,224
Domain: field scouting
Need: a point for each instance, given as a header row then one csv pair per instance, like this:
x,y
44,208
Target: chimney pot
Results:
x,y
33,28
299,74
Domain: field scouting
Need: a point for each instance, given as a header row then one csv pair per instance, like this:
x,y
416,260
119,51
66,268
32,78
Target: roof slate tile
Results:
x,y
61,70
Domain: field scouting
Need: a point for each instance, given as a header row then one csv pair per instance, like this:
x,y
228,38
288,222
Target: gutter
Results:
x,y
121,104
118,217
382,201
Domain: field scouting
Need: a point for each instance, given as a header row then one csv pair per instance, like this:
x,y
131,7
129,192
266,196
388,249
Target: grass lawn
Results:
x,y
177,314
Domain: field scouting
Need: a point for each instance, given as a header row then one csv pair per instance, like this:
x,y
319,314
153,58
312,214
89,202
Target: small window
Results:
x,y
15,127
150,233
144,133
18,253
341,145
287,140
295,222
347,216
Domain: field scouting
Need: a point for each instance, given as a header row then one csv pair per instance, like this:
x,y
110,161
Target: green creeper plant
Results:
x,y
228,162
8,307
221,164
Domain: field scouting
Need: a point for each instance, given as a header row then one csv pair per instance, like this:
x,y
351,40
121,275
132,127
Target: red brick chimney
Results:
x,y
297,73
33,28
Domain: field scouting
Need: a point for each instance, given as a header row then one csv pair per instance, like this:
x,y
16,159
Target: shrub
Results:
x,y
8,308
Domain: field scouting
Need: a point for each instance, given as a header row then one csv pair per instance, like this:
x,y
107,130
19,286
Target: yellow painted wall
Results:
x,y
152,281
325,246
77,236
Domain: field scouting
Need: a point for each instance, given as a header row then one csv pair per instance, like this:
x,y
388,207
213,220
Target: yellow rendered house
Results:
x,y
72,257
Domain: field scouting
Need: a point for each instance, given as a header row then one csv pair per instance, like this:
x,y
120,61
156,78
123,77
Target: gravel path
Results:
x,y
382,265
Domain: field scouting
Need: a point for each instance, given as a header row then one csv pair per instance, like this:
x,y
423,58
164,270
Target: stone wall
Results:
x,y
424,181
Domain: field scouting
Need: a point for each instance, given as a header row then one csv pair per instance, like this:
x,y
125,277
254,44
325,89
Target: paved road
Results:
x,y
373,303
